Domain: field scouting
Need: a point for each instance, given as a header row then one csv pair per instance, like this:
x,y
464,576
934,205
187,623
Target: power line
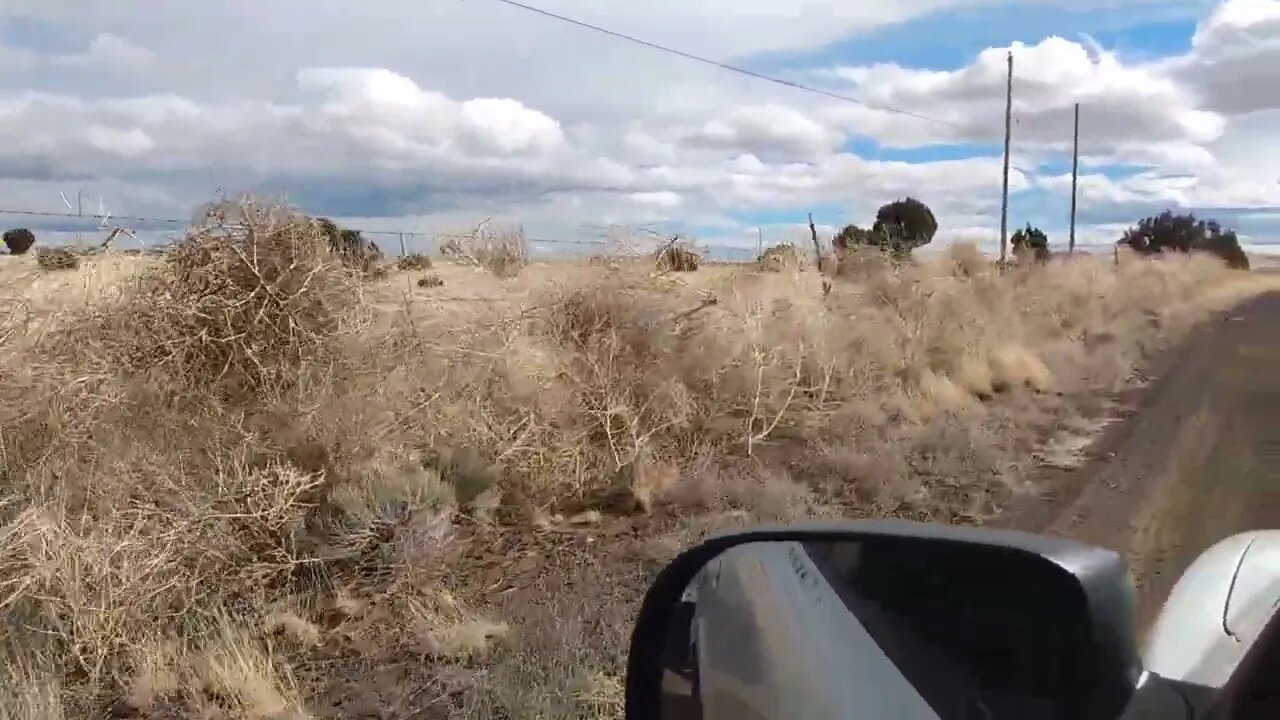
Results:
x,y
726,66
739,70
131,218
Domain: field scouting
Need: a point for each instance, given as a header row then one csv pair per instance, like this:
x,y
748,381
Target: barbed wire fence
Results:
x,y
154,232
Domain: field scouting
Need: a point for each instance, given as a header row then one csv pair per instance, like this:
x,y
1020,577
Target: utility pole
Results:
x,y
1004,197
1075,173
79,214
759,242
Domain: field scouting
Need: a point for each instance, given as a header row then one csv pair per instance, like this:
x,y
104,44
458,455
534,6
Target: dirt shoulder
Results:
x,y
1195,459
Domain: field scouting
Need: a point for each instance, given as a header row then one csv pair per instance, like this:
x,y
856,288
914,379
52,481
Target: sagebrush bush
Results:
x,y
414,261
57,258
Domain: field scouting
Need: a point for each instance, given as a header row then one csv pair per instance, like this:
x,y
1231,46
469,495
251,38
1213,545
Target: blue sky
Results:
x,y
429,117
950,40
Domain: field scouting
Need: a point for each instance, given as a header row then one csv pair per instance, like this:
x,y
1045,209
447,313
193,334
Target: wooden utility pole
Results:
x,y
1075,173
1004,196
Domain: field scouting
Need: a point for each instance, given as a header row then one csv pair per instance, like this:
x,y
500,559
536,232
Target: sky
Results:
x,y
429,116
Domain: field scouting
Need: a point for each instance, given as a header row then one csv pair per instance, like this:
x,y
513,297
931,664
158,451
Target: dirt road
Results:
x,y
1196,460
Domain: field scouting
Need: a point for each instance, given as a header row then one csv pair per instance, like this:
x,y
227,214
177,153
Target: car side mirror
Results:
x,y
885,619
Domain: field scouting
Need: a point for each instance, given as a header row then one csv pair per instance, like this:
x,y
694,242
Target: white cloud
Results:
x,y
1234,56
1205,133
435,114
111,52
661,198
392,116
768,131
1127,110
125,143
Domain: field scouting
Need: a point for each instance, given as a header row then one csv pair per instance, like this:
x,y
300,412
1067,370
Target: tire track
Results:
x,y
1198,461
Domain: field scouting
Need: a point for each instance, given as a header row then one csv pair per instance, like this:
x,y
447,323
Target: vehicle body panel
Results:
x,y
1216,610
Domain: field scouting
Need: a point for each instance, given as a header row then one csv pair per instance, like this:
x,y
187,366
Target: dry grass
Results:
x,y
247,481
1267,263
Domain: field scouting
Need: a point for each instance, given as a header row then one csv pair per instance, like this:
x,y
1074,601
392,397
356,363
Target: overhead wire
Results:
x,y
736,68
726,66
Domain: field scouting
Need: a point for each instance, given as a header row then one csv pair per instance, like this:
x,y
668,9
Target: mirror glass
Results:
x,y
886,627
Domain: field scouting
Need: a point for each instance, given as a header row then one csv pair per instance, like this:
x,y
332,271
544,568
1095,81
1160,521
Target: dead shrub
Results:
x,y
351,246
579,395
677,256
240,308
430,280
781,257
57,258
208,445
503,252
504,255
414,261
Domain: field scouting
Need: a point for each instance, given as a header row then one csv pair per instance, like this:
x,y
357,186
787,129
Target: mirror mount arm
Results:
x,y
644,657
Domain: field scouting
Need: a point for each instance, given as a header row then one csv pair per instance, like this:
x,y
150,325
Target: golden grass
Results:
x,y
246,481
1267,263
